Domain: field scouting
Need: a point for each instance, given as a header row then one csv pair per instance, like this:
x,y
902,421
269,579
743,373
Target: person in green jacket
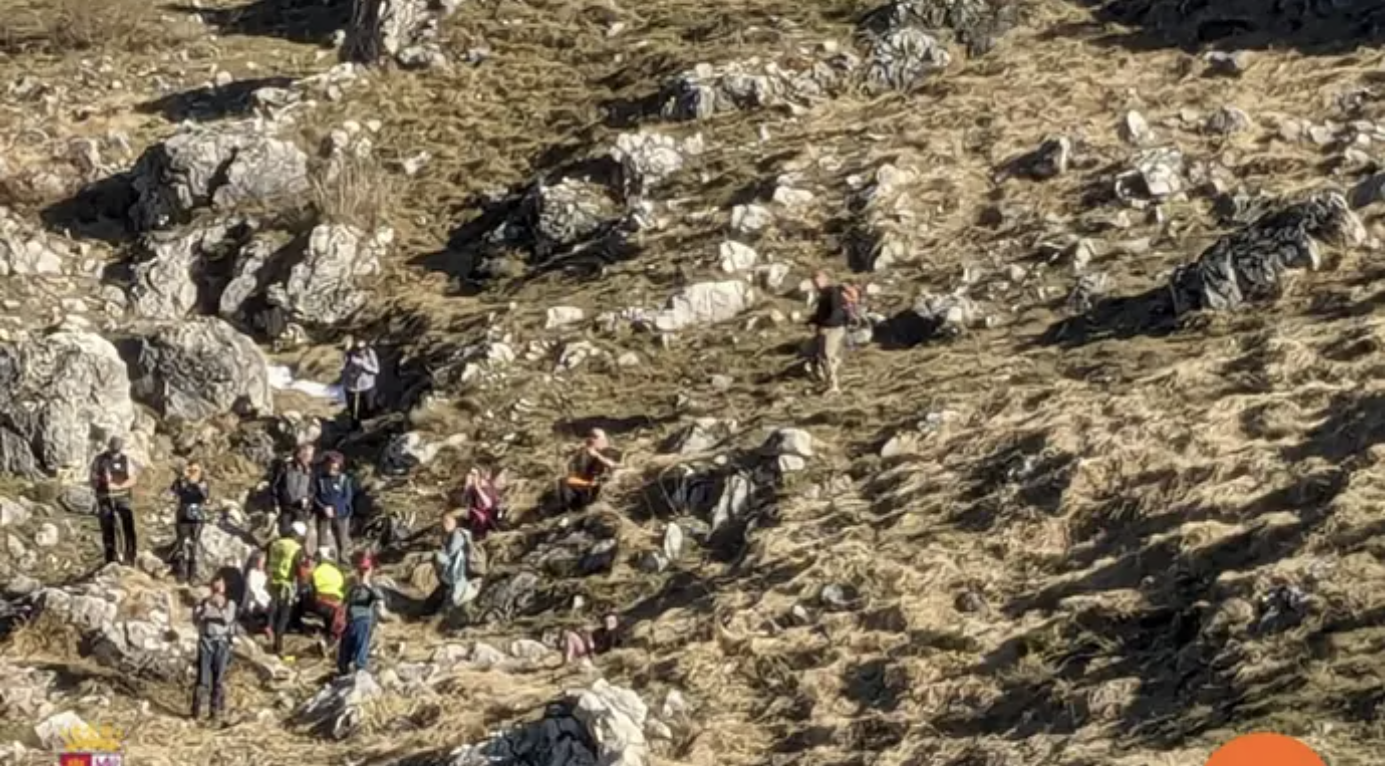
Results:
x,y
285,564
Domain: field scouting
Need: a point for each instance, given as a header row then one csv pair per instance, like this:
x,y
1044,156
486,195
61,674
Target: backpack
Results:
x,y
852,304
477,563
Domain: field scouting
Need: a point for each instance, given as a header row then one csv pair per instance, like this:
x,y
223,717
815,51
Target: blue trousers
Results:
x,y
355,647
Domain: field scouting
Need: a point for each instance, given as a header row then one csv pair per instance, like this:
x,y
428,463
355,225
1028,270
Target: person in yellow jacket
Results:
x,y
329,589
286,560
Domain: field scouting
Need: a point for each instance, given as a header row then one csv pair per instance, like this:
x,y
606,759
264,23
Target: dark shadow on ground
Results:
x,y
1149,314
1310,28
304,21
1190,676
212,103
97,211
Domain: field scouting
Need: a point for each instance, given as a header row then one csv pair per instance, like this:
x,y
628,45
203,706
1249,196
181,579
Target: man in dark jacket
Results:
x,y
332,499
216,623
830,317
113,478
293,488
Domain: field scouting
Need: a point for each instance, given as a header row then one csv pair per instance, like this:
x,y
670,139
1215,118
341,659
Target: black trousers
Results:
x,y
360,404
213,655
283,611
185,549
339,530
577,498
288,514
115,512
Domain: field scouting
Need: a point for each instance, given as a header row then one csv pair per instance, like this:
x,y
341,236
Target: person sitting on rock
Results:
x,y
333,497
293,488
256,601
481,499
450,565
192,492
586,471
359,371
364,601
588,644
113,478
329,588
286,560
215,618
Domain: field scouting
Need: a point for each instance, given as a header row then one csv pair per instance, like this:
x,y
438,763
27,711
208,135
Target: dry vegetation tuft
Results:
x,y
55,27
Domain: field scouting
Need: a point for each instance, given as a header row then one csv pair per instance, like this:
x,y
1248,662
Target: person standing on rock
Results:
x,y
113,478
256,602
359,372
293,488
363,604
333,494
215,618
586,471
285,563
831,316
192,492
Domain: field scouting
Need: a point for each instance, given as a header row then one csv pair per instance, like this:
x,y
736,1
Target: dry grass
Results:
x,y
56,27
1117,508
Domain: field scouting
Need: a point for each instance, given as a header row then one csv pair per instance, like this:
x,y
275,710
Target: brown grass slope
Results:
x,y
1068,570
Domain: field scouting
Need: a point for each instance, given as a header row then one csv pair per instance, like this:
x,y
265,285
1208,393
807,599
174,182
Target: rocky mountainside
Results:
x,y
1103,485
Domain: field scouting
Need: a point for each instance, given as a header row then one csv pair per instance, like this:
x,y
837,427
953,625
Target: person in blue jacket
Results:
x,y
333,495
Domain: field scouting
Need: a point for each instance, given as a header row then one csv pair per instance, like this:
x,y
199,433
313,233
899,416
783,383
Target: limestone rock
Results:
x,y
26,250
647,159
615,718
749,219
335,711
325,287
705,303
404,30
753,83
62,394
562,316
735,257
221,166
1248,265
902,58
198,368
1156,174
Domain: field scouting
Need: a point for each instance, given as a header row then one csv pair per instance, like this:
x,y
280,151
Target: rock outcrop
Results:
x,y
222,167
602,724
198,368
335,711
405,31
754,83
167,279
325,286
62,394
1249,265
26,250
125,622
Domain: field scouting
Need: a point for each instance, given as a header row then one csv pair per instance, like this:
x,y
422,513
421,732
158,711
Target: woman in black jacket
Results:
x,y
192,492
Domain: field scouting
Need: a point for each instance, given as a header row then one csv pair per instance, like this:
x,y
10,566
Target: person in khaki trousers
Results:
x,y
830,317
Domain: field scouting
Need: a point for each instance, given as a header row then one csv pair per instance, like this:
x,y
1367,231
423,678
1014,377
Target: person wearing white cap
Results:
x,y
285,565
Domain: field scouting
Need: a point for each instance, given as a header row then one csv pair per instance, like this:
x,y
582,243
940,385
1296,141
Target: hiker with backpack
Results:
x,y
838,307
453,563
589,466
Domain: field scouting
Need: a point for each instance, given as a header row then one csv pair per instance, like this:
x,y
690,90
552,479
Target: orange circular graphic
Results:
x,y
1265,749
